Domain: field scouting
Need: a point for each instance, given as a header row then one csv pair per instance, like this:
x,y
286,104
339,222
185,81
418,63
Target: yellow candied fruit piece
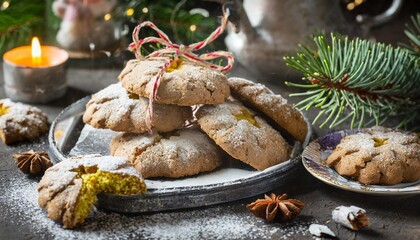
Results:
x,y
3,109
133,96
82,170
246,115
379,141
175,65
95,182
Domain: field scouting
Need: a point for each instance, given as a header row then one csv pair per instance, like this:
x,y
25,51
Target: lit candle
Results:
x,y
36,52
35,73
36,55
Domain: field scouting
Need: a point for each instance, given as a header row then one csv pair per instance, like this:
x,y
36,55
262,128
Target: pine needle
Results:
x,y
413,34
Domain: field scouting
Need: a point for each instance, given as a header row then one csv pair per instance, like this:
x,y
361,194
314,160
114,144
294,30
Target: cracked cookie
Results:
x,y
379,156
116,109
272,105
185,84
181,153
19,122
242,134
68,189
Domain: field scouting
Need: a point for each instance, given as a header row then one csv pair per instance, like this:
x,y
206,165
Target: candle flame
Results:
x,y
36,51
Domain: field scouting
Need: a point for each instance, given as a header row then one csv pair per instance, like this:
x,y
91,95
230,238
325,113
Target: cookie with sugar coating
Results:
x,y
378,156
68,190
185,152
186,84
19,122
272,105
242,134
116,109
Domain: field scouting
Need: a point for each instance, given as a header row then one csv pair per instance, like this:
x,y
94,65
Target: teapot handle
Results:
x,y
368,22
239,18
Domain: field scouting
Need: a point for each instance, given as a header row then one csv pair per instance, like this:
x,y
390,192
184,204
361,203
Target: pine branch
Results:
x,y
19,22
357,80
413,34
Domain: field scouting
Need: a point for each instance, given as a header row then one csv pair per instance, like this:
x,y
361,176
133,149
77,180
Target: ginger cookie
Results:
x,y
242,134
185,84
273,105
68,190
177,154
19,122
380,156
116,109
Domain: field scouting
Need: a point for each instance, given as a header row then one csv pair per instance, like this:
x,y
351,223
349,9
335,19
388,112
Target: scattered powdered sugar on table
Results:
x,y
219,222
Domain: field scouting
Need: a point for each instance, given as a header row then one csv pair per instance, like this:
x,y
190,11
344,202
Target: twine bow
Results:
x,y
173,52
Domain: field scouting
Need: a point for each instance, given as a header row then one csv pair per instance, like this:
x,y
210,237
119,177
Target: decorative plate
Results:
x,y
234,180
314,159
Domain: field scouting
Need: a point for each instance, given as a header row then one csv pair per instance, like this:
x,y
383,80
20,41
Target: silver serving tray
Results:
x,y
166,194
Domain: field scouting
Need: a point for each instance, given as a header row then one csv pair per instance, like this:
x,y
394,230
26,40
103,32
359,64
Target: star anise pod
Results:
x,y
276,207
31,162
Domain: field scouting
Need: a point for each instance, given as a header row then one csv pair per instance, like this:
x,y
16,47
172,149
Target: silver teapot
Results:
x,y
271,29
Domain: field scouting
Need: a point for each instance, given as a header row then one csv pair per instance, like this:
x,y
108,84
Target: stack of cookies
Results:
x,y
184,143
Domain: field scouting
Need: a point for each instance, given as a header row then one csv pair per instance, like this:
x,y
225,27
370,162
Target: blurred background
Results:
x,y
96,33
86,27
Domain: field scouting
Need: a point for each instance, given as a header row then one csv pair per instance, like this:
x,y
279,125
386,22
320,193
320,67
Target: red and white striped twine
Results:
x,y
172,52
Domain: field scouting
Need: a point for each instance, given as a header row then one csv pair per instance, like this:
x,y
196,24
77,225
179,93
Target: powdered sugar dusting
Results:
x,y
22,118
117,92
220,222
273,105
256,144
262,95
104,163
189,144
115,102
190,85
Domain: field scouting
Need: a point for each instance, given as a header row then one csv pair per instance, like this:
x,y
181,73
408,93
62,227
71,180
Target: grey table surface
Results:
x,y
21,218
